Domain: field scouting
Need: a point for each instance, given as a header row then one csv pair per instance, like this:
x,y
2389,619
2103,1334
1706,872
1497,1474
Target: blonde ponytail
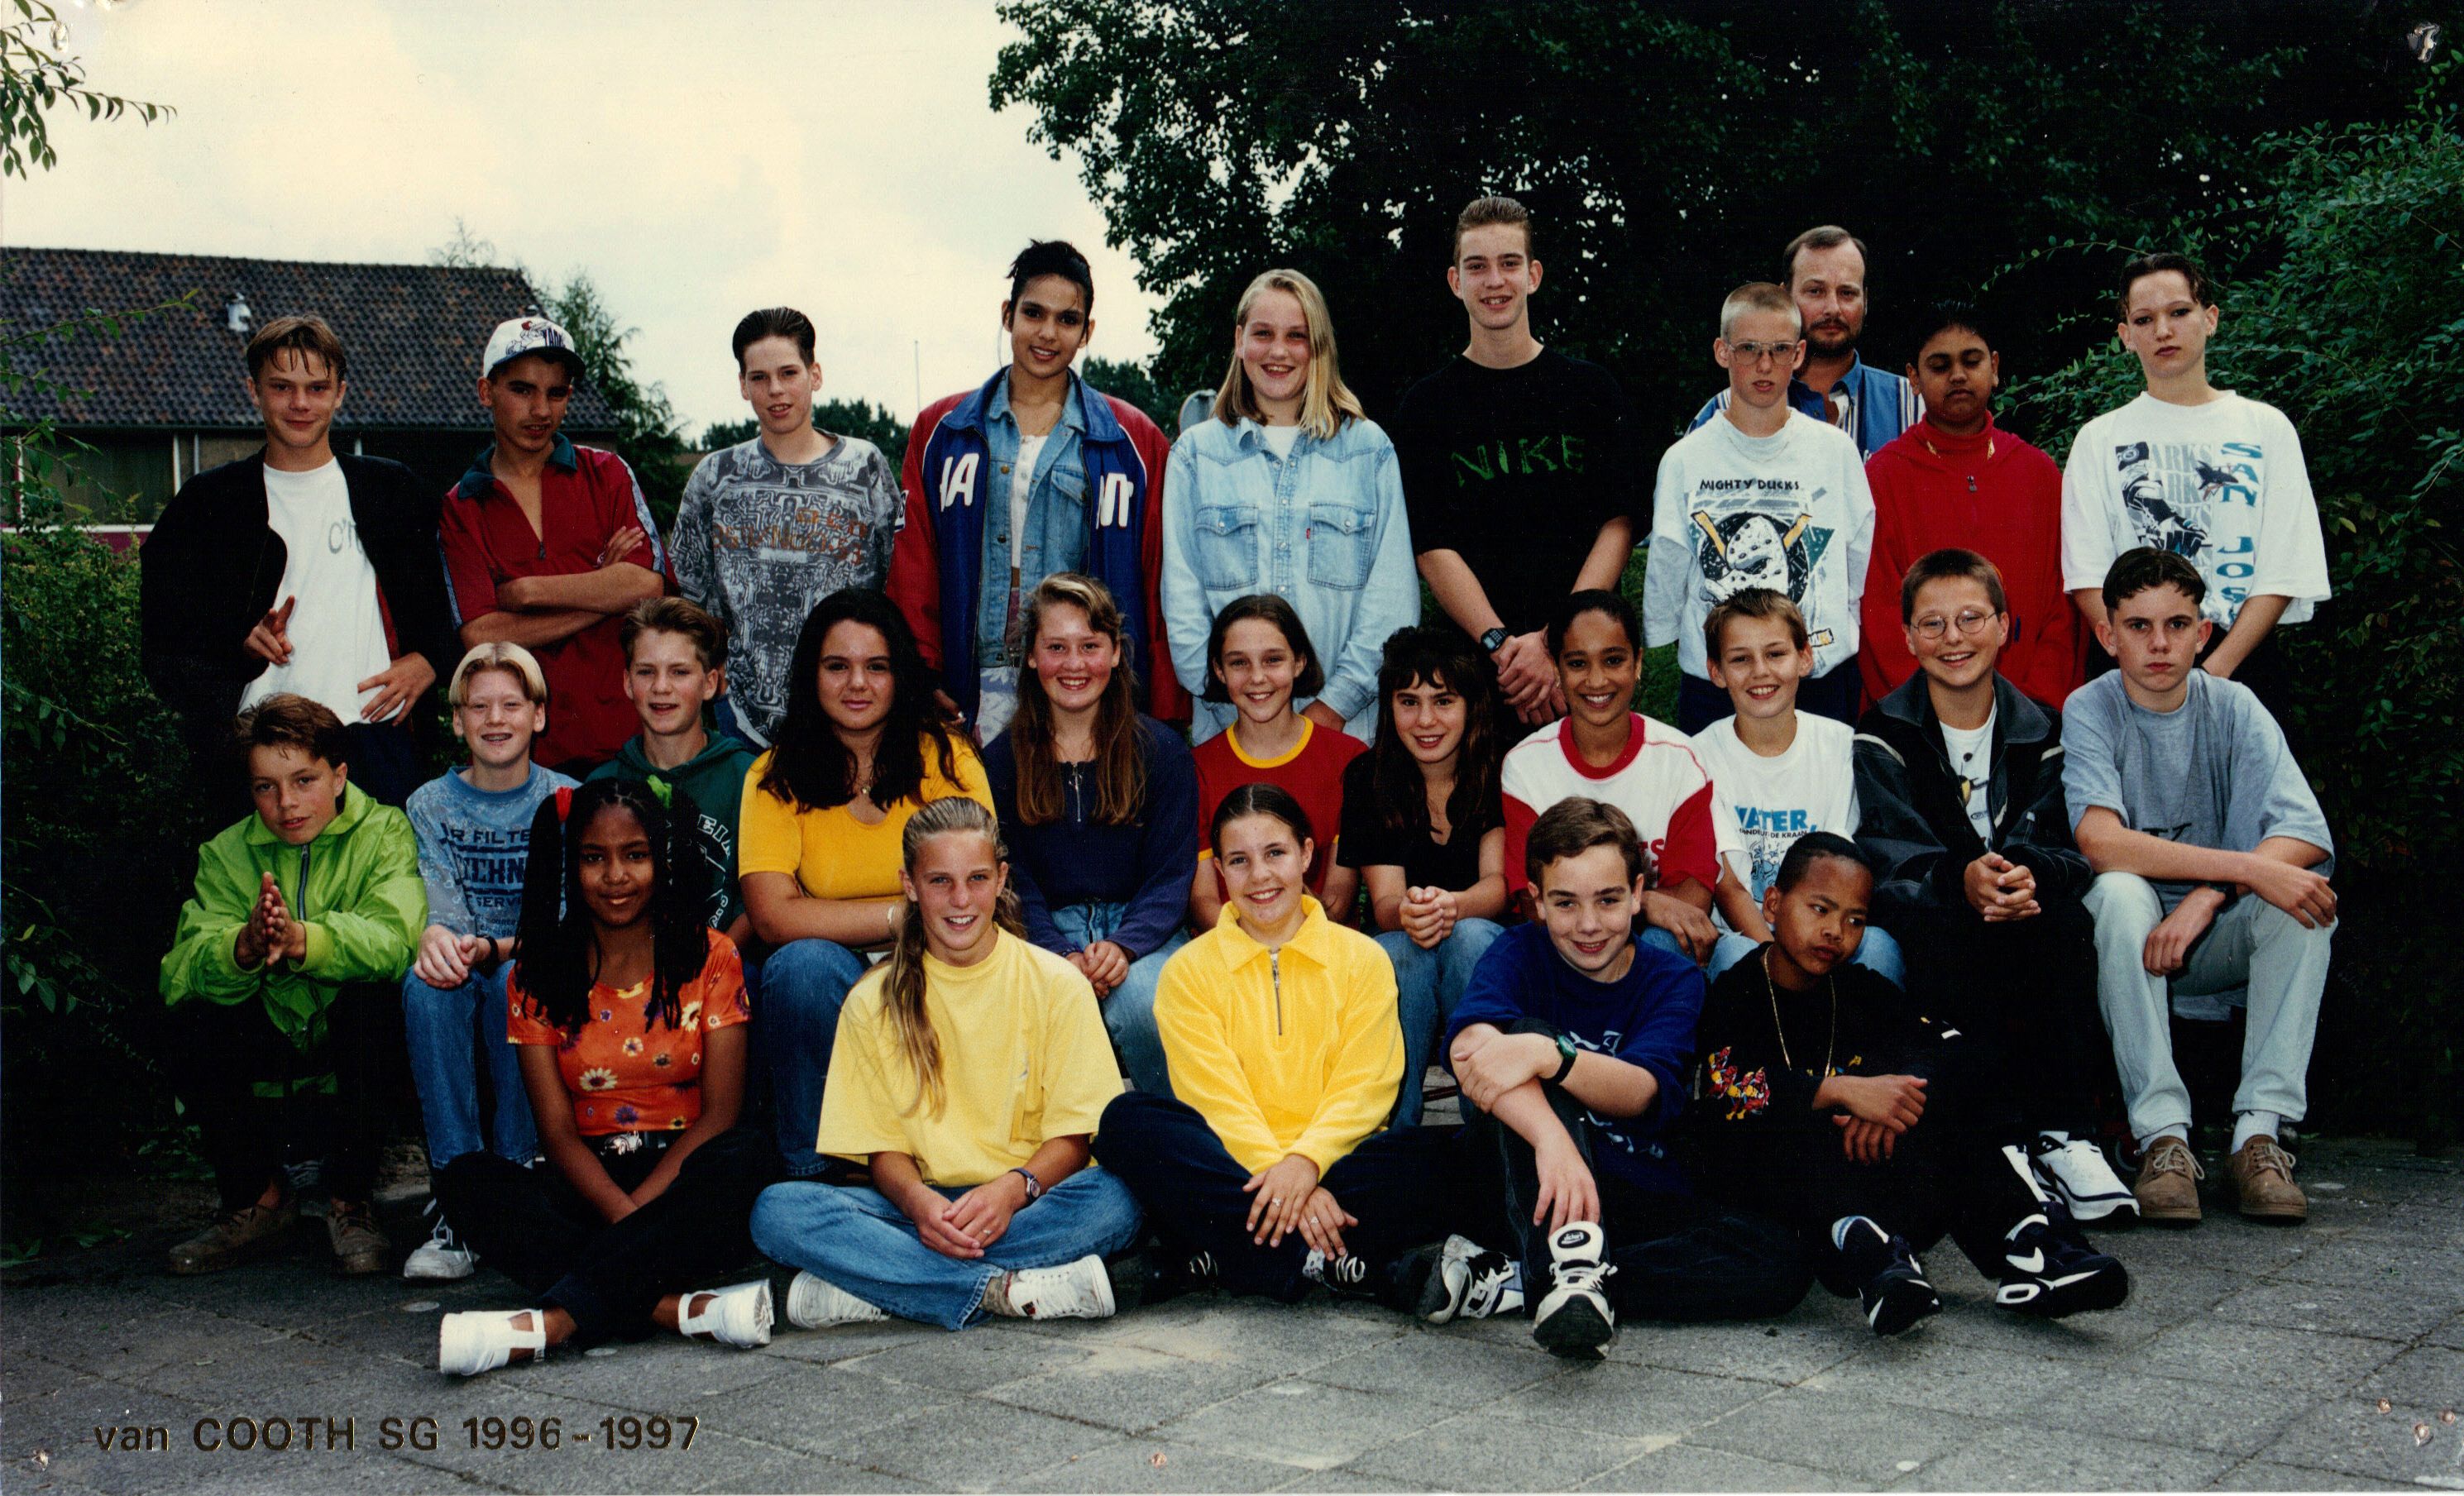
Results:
x,y
902,995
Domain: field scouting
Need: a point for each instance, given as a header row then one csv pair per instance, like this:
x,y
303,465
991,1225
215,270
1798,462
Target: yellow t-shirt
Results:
x,y
830,852
1024,1059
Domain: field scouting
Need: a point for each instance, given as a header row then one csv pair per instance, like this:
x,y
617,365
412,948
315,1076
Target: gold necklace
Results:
x,y
1831,1047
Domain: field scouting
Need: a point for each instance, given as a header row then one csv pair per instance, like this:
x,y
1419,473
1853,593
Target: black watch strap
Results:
x,y
1034,1186
1493,641
1566,1066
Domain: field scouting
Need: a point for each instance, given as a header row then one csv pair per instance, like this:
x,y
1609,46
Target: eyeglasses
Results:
x,y
1757,352
1933,625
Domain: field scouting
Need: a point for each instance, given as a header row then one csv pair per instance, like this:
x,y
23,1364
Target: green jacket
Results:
x,y
355,888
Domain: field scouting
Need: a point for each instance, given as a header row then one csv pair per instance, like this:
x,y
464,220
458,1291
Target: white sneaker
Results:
x,y
1082,1289
481,1340
1576,1319
737,1316
2074,1168
444,1256
818,1304
1469,1282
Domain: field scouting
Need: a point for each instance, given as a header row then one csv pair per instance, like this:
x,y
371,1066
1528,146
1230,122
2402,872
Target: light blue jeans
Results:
x,y
804,985
855,1238
442,1030
1129,1009
1878,954
1428,983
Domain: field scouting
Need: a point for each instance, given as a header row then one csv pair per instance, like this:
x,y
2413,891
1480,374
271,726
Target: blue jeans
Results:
x,y
1428,983
1880,954
856,1239
804,985
441,1029
1129,1009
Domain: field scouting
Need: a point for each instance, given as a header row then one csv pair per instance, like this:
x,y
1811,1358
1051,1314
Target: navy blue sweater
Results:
x,y
1147,864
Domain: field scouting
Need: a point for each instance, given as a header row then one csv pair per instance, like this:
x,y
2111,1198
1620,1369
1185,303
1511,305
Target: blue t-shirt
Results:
x,y
473,847
1644,1018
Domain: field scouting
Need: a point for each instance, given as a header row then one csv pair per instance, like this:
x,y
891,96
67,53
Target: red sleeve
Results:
x,y
915,559
1165,697
623,503
1883,656
1518,834
467,577
2054,661
1690,850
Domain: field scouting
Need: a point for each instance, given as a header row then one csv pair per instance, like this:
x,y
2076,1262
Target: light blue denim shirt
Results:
x,y
1056,512
1324,529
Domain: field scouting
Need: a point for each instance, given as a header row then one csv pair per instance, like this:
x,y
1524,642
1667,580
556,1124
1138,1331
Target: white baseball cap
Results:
x,y
517,336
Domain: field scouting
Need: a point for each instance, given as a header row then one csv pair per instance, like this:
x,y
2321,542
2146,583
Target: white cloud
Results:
x,y
697,161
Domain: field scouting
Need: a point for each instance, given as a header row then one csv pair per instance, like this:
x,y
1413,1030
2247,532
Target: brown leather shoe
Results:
x,y
250,1231
2167,1190
359,1247
2262,1178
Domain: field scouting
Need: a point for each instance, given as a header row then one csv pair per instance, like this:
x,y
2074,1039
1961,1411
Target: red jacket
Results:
x,y
1993,494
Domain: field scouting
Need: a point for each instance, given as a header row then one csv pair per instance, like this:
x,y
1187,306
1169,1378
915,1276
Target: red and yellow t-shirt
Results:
x,y
627,1075
1312,771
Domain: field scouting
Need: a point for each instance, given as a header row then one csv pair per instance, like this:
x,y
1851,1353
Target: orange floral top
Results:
x,y
625,1075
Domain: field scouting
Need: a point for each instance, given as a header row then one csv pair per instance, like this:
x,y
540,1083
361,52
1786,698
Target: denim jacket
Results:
x,y
1324,529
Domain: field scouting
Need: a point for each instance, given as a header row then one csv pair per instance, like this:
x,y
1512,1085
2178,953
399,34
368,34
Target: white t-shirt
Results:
x,y
2222,484
337,630
1772,802
1972,760
1280,439
1021,487
1790,512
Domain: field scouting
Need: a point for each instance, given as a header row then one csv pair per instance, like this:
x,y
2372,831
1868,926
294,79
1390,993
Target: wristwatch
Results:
x,y
1034,1186
1566,1066
1493,641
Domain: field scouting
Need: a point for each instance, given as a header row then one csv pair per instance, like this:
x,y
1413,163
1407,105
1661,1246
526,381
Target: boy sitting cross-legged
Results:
x,y
1825,1099
474,825
1571,1045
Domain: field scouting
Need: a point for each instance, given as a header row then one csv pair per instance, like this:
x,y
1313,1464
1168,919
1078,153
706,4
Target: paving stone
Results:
x,y
1845,1435
2221,1350
1480,1451
2235,1419
766,1468
2114,1337
1442,1368
2294,1305
267,1373
2395,1269
2449,1334
2021,1459
970,1445
2350,1434
61,1424
970,1360
503,1395
1821,1334
2430,1376
814,1408
1131,1466
1633,1401
845,1342
1288,1337
1948,1377
589,1467
1304,1424
1131,1388
1352,1481
1688,1466
361,1470
2258,1475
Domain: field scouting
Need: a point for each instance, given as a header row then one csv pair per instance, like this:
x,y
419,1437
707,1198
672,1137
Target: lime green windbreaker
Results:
x,y
356,887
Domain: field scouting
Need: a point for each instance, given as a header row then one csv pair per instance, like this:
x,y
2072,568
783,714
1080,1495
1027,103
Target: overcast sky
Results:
x,y
699,160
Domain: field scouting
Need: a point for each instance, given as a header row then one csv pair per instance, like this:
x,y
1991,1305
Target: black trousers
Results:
x,y
2024,988
1406,1186
1678,1257
533,1226
216,1054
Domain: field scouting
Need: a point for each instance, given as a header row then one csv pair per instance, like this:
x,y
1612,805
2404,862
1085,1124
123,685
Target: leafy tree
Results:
x,y
1133,383
843,417
35,78
649,433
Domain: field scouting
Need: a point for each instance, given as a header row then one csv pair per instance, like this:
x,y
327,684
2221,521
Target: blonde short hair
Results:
x,y
1760,295
500,655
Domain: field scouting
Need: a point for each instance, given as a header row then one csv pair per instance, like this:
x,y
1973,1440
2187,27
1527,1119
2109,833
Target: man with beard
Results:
x,y
1824,269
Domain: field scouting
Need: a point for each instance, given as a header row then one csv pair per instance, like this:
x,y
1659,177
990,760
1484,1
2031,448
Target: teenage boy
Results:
x,y
1824,271
1516,468
297,570
1956,479
1827,1099
1765,496
771,525
547,544
2203,473
672,665
1959,794
1031,473
2212,862
302,920
1779,771
1572,1043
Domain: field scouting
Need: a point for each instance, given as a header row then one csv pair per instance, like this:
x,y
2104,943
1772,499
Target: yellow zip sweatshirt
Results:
x,y
1296,1050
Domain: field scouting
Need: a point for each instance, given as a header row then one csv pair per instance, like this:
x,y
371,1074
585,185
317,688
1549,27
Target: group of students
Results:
x,y
899,865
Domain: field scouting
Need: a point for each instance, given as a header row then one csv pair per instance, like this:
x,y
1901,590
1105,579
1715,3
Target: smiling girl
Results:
x,y
1289,489
1099,807
970,1070
629,1016
1260,658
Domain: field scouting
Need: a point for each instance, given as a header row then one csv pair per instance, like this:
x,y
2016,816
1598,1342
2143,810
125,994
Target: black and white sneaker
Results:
x,y
2074,1171
444,1256
1344,1274
1465,1280
2050,1277
1891,1285
1575,1320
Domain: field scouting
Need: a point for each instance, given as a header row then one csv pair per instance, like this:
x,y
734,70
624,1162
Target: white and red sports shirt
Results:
x,y
1660,781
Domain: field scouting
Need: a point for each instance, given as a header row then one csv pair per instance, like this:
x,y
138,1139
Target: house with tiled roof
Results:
x,y
162,397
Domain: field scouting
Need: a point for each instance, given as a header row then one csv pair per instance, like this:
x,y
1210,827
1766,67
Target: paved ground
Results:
x,y
2325,1358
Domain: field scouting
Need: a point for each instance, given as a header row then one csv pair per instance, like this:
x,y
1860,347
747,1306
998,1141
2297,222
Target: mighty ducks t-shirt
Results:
x,y
2222,485
1790,512
1772,802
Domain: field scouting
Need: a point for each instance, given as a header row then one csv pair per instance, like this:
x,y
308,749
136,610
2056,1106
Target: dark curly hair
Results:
x,y
556,949
809,766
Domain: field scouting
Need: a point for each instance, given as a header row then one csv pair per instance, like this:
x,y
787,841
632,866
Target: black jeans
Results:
x,y
215,1055
2026,988
1678,1257
533,1226
1406,1186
